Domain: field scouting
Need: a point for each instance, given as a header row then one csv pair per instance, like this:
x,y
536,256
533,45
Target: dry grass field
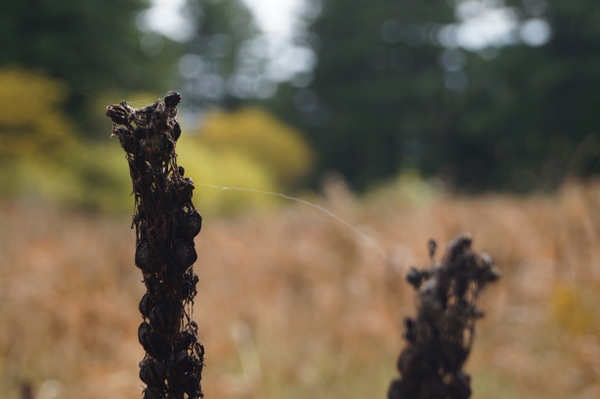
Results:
x,y
294,304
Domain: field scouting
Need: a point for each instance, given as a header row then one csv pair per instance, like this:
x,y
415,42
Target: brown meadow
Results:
x,y
291,303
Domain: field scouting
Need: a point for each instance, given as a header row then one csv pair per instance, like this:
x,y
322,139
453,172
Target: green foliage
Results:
x,y
371,93
41,158
32,123
33,129
249,149
91,46
277,147
91,178
389,94
224,168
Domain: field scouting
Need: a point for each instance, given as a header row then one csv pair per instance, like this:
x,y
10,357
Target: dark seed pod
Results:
x,y
184,340
415,277
146,305
150,341
144,258
190,224
189,283
192,384
153,393
166,145
141,133
185,363
153,372
185,195
128,143
172,99
144,333
184,253
160,318
120,131
176,131
118,114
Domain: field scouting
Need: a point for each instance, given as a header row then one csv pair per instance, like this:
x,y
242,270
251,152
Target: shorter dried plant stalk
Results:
x,y
440,337
166,223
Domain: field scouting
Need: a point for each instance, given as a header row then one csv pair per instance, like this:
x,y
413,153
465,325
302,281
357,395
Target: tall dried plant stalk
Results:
x,y
440,337
166,223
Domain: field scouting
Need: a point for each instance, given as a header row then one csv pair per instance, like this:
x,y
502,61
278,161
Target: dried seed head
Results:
x,y
146,305
172,99
153,372
157,147
144,258
166,224
118,114
184,341
153,393
144,333
192,385
176,131
183,362
128,143
458,247
190,224
141,132
151,341
160,318
446,315
184,253
185,193
415,277
188,289
489,272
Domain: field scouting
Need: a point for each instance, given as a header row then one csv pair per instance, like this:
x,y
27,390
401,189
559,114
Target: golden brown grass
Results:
x,y
293,304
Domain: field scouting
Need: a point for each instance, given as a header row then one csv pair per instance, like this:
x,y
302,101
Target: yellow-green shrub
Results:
x,y
224,167
252,131
41,157
32,122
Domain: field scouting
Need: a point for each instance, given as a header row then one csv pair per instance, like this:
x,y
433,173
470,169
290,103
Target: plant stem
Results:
x,y
166,223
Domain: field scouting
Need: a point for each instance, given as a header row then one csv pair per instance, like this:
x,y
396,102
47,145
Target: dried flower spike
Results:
x,y
166,223
440,337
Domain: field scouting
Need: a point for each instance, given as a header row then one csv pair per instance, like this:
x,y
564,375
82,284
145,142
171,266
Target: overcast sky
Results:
x,y
278,19
482,24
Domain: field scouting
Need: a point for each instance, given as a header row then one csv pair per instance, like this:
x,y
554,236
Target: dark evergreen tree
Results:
x,y
93,46
527,118
394,88
376,85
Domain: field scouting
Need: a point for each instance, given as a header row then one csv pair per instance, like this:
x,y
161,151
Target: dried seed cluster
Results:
x,y
440,337
166,223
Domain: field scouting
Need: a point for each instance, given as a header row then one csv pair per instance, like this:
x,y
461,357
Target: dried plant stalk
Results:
x,y
440,337
166,223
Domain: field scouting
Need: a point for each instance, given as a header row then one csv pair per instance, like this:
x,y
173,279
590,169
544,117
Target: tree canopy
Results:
x,y
428,85
91,46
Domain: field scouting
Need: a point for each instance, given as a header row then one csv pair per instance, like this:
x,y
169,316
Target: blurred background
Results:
x,y
405,119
